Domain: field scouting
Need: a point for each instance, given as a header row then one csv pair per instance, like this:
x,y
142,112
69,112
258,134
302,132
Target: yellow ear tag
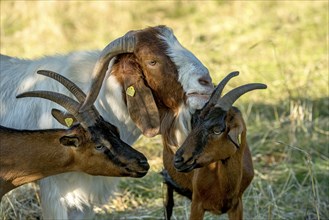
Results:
x,y
130,91
68,121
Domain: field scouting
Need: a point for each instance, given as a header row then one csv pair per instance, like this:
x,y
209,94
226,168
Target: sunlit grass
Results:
x,y
281,43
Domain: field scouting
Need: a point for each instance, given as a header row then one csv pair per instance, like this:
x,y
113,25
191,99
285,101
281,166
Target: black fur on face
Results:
x,y
115,149
209,124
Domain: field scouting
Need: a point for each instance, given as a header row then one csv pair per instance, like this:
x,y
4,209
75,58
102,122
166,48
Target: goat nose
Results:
x,y
178,160
205,80
144,163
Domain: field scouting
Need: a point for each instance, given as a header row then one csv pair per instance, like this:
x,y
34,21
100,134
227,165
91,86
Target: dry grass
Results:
x,y
281,43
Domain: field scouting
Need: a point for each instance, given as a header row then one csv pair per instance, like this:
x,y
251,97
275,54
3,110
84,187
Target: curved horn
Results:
x,y
219,89
73,88
217,93
229,98
125,44
86,119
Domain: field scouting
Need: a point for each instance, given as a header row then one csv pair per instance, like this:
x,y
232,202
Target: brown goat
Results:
x,y
217,145
92,145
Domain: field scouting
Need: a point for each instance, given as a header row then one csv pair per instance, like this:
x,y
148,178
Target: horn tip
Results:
x,y
42,72
23,95
20,95
263,86
46,72
235,73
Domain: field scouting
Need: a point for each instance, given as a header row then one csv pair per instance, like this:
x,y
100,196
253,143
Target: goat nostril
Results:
x,y
144,163
205,80
178,160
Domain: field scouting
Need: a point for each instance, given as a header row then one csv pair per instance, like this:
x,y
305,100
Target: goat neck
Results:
x,y
19,171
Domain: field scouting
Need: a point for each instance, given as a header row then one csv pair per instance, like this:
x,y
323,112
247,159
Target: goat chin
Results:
x,y
197,102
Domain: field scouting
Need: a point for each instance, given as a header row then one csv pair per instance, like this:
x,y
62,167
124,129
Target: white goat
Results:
x,y
150,72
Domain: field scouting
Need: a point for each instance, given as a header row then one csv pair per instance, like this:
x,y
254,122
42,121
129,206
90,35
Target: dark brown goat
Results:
x,y
217,145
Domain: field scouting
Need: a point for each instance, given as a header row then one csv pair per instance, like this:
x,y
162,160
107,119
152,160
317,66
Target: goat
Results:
x,y
147,77
216,145
92,146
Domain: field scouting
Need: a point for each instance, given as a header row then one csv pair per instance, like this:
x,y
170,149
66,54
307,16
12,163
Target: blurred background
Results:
x,y
281,43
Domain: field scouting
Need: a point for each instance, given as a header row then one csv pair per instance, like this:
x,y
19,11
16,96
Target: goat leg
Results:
x,y
169,201
197,211
237,212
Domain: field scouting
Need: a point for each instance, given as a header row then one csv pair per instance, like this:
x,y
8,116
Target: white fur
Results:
x,y
190,70
78,191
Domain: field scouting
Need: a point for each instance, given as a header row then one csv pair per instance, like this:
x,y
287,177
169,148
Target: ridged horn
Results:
x,y
68,103
219,89
73,88
124,44
216,94
229,98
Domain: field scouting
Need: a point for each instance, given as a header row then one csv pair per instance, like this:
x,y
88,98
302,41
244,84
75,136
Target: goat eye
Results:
x,y
217,131
99,147
152,62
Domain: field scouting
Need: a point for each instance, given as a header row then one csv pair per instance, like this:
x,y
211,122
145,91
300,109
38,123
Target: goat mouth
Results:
x,y
198,95
186,167
141,173
134,173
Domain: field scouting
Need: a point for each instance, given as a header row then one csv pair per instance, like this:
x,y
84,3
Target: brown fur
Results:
x,y
226,170
151,71
27,156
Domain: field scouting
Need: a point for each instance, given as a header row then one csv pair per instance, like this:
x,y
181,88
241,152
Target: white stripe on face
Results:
x,y
190,71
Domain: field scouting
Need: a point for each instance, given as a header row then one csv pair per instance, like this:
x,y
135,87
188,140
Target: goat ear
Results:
x,y
141,105
70,141
235,125
235,135
64,118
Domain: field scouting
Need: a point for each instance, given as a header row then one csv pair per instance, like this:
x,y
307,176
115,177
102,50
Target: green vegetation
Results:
x,y
281,43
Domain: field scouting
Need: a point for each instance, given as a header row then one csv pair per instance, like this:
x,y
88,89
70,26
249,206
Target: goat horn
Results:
x,y
72,87
219,89
86,119
125,44
217,92
229,98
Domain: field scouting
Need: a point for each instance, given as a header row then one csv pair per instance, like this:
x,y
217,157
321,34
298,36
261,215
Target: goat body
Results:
x,y
30,155
159,70
92,145
215,186
217,145
218,187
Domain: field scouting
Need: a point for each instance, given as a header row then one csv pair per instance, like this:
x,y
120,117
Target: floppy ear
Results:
x,y
64,118
141,104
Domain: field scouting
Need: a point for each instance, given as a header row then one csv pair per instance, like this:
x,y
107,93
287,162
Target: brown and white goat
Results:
x,y
216,145
92,145
147,77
